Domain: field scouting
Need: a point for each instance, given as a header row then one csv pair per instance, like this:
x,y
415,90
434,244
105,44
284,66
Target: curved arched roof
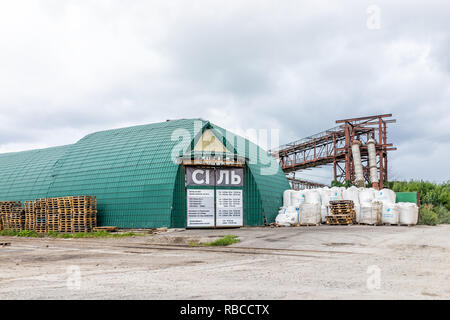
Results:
x,y
26,175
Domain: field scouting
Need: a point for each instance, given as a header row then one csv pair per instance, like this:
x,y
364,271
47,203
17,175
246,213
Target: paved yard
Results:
x,y
355,262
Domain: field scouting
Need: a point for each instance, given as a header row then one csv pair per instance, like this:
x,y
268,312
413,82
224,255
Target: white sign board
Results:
x,y
229,208
200,207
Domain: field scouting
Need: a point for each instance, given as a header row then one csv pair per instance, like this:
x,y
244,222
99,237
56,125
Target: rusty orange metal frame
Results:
x,y
334,146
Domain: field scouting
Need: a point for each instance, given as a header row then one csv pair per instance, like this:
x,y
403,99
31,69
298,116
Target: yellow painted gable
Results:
x,y
209,142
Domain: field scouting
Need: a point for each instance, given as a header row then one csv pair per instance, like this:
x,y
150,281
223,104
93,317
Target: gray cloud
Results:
x,y
73,67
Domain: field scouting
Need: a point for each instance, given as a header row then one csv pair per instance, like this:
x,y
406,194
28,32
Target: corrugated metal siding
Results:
x,y
179,200
253,212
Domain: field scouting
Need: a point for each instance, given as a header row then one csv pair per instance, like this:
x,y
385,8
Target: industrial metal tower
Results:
x,y
334,146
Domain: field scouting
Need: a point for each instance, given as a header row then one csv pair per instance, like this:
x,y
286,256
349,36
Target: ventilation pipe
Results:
x,y
356,152
373,163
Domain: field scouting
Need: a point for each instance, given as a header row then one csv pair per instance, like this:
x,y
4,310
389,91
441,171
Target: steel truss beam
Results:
x,y
333,146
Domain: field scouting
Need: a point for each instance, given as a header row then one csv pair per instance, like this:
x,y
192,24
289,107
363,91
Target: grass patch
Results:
x,y
195,243
8,233
224,241
78,235
27,233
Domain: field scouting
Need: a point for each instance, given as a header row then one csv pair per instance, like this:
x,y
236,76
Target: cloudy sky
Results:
x,y
69,68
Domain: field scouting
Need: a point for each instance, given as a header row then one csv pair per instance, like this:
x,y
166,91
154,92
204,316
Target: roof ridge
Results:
x,y
35,150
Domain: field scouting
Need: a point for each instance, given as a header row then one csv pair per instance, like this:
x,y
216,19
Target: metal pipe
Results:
x,y
372,162
356,153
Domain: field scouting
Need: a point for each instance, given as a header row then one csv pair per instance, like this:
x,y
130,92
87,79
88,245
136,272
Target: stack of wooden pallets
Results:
x,y
5,212
342,212
65,214
84,215
52,214
16,218
62,214
30,216
40,213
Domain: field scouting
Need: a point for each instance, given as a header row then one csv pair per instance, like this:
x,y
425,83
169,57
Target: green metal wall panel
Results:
x,y
407,197
253,212
179,200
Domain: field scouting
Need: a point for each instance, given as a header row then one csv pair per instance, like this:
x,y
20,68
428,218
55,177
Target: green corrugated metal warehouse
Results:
x,y
179,173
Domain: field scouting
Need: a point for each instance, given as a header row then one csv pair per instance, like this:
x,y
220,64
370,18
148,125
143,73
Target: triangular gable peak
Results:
x,y
209,147
209,142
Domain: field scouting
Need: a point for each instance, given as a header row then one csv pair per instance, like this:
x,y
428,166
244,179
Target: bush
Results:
x,y
443,214
428,216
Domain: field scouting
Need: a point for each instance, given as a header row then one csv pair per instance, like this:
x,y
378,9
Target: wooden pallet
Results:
x,y
341,219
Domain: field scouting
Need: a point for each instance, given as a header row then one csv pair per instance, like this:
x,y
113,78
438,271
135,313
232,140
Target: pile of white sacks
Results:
x,y
308,207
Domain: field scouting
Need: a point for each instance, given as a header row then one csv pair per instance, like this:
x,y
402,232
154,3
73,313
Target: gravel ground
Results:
x,y
324,262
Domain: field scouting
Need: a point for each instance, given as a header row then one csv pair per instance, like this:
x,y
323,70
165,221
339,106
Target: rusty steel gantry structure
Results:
x,y
334,146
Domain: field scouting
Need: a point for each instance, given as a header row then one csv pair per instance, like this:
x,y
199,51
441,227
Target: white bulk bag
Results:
x,y
371,212
352,194
390,213
312,196
298,197
357,209
287,198
292,214
309,213
325,196
386,195
335,194
366,195
324,212
408,213
282,218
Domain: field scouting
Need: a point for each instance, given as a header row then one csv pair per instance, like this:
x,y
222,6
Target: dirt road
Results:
x,y
337,262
